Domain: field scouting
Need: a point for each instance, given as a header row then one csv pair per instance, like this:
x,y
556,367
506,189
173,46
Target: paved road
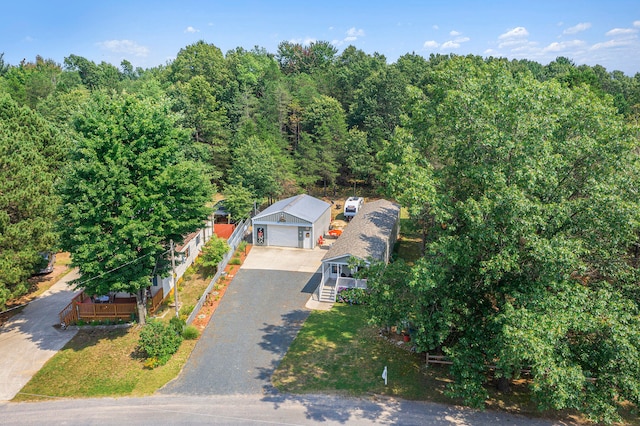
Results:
x,y
251,410
30,338
258,318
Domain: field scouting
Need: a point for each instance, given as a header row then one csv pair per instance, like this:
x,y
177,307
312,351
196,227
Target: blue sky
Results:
x,y
151,32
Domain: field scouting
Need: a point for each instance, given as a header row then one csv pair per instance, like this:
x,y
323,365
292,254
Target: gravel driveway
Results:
x,y
252,328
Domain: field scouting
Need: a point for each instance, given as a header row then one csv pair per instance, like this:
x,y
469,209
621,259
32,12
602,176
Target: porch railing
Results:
x,y
106,311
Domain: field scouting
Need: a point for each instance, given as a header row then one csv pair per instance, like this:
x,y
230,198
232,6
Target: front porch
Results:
x,y
336,276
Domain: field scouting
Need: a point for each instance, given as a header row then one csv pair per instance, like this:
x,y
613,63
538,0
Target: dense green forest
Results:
x,y
521,176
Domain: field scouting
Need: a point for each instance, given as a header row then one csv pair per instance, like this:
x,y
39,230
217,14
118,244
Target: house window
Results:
x,y
185,255
197,240
334,268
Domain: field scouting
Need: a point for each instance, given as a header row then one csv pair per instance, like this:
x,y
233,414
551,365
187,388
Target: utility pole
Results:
x,y
175,282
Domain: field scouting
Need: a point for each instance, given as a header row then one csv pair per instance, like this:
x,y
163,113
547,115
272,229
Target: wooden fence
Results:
x,y
156,301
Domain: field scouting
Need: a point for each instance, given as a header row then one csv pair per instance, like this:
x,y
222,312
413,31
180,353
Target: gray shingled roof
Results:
x,y
368,232
303,206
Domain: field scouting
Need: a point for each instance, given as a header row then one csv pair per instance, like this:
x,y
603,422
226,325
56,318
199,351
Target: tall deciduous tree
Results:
x,y
536,208
127,192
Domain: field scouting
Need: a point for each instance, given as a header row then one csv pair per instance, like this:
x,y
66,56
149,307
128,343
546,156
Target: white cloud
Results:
x,y
621,31
352,35
353,32
454,33
517,32
190,29
513,43
614,43
124,46
577,28
462,39
636,23
431,44
435,27
563,45
450,45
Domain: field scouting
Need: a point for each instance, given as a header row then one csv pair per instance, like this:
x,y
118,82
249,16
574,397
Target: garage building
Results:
x,y
297,221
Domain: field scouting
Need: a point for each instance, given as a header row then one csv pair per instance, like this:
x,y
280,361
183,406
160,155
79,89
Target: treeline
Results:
x,y
521,177
272,123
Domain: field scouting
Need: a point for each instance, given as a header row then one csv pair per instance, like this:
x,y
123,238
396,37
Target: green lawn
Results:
x,y
337,350
102,362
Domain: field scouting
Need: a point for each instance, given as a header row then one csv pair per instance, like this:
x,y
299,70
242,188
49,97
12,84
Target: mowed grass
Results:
x,y
102,362
337,350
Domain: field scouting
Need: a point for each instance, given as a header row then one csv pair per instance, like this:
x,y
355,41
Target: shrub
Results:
x,y
178,324
242,246
235,261
186,310
190,332
352,296
159,342
212,253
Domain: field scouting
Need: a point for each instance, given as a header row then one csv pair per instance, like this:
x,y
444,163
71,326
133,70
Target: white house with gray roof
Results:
x,y
297,221
370,235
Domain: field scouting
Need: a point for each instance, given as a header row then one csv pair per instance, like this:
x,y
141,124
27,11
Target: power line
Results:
x,y
119,267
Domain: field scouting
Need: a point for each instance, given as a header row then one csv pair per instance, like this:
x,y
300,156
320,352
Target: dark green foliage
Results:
x,y
238,201
352,296
529,189
31,154
159,341
128,191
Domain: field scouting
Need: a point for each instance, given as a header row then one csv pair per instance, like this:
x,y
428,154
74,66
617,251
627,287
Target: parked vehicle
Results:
x,y
50,259
352,206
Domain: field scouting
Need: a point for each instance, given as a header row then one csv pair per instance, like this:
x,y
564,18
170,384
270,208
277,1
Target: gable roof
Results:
x,y
303,206
369,232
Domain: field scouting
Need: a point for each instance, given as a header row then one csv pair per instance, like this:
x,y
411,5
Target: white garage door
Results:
x,y
282,236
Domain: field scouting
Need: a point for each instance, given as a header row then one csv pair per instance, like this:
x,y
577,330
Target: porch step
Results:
x,y
328,294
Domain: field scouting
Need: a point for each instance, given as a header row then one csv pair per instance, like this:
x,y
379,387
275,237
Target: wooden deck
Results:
x,y
84,308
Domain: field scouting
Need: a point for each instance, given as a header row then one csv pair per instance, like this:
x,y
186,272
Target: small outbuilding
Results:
x,y
370,235
297,221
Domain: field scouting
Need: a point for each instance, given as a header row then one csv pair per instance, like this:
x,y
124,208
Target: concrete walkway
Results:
x,y
33,336
258,318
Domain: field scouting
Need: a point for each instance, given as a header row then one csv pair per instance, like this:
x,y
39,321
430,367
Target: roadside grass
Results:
x,y
337,350
102,362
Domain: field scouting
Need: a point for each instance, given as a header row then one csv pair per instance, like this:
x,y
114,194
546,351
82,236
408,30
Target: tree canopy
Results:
x,y
31,153
127,192
534,210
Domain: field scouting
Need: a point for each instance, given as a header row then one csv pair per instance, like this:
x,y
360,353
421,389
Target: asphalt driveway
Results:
x,y
252,328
